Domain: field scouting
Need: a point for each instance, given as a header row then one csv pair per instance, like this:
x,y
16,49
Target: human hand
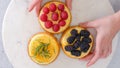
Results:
x,y
37,5
106,29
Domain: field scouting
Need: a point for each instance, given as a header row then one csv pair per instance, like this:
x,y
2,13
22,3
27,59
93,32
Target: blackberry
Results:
x,y
86,48
84,33
76,52
70,39
83,46
74,32
68,48
75,45
78,37
87,40
78,42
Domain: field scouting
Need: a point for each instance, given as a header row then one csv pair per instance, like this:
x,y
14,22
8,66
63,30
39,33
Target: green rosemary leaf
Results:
x,y
37,50
42,50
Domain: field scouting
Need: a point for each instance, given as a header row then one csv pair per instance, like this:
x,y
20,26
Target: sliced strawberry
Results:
x,y
46,10
64,15
56,27
61,7
48,24
43,17
52,7
55,16
62,23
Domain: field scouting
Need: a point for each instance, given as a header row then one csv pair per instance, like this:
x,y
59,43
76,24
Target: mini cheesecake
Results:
x,y
54,17
76,42
43,48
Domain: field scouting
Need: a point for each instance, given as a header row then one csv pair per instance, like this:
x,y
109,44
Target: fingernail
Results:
x,y
88,64
28,9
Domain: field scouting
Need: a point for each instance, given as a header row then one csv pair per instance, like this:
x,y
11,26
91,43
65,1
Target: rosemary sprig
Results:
x,y
42,50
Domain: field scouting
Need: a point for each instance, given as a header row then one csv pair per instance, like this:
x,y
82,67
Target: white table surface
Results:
x,y
4,62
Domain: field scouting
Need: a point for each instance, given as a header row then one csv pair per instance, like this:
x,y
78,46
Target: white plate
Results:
x,y
19,26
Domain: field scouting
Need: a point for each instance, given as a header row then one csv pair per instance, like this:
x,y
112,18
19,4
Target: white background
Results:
x,y
4,62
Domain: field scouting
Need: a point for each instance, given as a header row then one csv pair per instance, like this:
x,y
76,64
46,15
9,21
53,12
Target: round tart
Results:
x,y
54,17
76,42
43,48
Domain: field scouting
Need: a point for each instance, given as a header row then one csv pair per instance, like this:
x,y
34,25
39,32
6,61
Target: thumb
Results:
x,y
33,4
69,4
87,24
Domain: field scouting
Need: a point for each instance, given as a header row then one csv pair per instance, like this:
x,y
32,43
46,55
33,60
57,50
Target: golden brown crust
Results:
x,y
66,31
68,21
52,37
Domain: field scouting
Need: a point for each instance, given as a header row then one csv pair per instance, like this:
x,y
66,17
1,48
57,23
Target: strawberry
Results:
x,y
52,7
48,24
62,23
64,15
56,27
61,7
43,17
46,10
55,16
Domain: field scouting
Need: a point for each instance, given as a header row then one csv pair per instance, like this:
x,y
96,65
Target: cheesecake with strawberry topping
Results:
x,y
55,17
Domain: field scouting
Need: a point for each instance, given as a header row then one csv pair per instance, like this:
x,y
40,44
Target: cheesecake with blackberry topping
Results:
x,y
76,42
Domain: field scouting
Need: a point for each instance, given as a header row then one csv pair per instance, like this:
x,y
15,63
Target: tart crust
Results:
x,y
62,28
44,36
64,42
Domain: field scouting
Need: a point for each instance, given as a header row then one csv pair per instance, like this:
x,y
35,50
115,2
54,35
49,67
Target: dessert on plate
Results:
x,y
76,42
43,48
54,17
